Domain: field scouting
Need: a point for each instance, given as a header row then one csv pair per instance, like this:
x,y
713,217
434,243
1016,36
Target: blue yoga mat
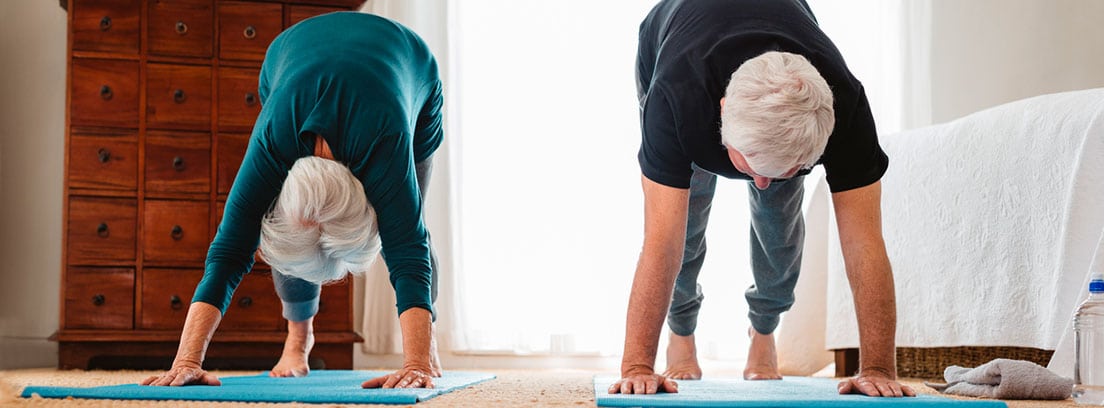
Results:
x,y
322,386
789,392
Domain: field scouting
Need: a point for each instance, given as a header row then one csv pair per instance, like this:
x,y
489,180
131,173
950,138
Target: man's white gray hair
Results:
x,y
322,225
777,113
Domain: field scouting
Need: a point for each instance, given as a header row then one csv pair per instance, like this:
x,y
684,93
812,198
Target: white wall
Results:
x,y
988,52
32,145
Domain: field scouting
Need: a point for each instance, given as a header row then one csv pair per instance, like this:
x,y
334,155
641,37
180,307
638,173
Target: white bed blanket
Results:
x,y
992,222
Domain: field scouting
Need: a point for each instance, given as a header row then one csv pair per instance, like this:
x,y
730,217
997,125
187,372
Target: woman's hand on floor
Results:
x,y
183,375
875,384
643,384
404,378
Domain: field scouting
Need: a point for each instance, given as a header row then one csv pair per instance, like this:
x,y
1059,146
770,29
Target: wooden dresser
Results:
x,y
162,96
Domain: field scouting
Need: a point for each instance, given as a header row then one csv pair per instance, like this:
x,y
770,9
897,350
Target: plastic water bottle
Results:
x,y
1088,325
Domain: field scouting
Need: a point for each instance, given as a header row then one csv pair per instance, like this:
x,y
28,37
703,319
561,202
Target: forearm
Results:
x,y
871,281
417,333
648,302
199,326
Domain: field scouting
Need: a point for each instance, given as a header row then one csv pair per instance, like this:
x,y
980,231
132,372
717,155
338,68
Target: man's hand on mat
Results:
x,y
408,377
183,375
650,383
875,384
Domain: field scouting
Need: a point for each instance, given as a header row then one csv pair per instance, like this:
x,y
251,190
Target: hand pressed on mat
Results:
x,y
183,374
644,382
875,383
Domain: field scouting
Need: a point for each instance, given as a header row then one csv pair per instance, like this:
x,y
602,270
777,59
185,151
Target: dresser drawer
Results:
x,y
166,294
300,13
255,305
333,309
106,26
99,298
231,151
181,28
175,232
178,97
246,29
107,162
178,162
239,103
104,93
101,230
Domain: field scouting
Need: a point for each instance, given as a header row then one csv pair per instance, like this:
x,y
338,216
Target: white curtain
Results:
x,y
382,335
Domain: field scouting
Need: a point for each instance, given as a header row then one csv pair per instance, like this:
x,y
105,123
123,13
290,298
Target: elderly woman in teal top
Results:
x,y
336,167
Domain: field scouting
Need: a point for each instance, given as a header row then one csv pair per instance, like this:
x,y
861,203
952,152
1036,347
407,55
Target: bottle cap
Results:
x,y
1096,283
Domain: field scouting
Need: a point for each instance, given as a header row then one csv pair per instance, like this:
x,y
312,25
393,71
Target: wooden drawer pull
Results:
x,y
178,163
105,23
106,93
175,303
101,230
181,28
250,99
245,301
177,233
98,299
249,32
178,96
104,155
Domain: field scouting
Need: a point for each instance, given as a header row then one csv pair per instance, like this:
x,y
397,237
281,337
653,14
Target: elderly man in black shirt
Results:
x,y
753,90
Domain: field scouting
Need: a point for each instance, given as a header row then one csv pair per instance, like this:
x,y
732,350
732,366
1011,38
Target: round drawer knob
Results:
x,y
104,155
250,99
245,301
178,96
175,303
178,163
177,233
181,28
105,23
249,32
98,299
106,93
101,230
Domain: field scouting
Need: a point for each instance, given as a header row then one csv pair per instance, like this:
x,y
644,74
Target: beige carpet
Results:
x,y
511,389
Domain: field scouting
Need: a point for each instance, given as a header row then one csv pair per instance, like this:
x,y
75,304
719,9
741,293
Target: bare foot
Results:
x,y
682,358
762,360
297,348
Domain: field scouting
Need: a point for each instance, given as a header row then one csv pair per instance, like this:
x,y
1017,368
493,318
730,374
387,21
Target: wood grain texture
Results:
x,y
178,97
106,25
238,99
99,298
246,29
104,93
182,28
175,232
101,230
108,161
178,162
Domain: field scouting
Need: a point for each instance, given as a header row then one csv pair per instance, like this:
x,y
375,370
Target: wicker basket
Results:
x,y
929,363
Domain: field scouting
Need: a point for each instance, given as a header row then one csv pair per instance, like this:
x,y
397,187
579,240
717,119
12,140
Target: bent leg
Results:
x,y
686,300
300,303
777,239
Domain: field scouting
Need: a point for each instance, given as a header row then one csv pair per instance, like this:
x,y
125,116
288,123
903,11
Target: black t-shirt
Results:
x,y
688,50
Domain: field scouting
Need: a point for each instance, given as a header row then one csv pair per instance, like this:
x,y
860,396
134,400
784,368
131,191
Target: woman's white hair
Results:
x,y
322,225
777,113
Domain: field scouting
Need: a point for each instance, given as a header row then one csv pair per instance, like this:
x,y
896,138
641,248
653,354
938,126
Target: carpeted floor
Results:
x,y
548,388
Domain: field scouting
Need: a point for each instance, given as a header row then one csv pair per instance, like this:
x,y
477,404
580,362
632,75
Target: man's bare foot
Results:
x,y
297,348
762,360
682,358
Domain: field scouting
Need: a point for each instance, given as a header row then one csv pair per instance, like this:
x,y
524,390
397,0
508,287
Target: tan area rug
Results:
x,y
512,388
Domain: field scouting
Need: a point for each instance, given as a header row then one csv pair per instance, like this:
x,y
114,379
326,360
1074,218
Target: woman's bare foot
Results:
x,y
297,348
682,358
762,360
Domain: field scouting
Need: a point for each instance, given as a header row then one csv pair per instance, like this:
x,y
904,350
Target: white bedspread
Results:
x,y
991,222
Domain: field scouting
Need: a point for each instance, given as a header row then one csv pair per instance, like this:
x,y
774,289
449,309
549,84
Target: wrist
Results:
x,y
631,369
879,371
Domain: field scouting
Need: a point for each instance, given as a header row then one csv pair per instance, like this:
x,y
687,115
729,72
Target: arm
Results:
x,y
859,219
417,331
664,237
199,326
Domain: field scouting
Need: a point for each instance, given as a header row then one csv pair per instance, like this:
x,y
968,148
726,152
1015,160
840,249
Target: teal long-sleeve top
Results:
x,y
370,88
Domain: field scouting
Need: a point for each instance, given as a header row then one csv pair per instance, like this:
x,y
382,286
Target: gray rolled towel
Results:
x,y
1005,379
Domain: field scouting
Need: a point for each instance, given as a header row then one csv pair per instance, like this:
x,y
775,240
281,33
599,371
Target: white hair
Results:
x,y
322,225
777,113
